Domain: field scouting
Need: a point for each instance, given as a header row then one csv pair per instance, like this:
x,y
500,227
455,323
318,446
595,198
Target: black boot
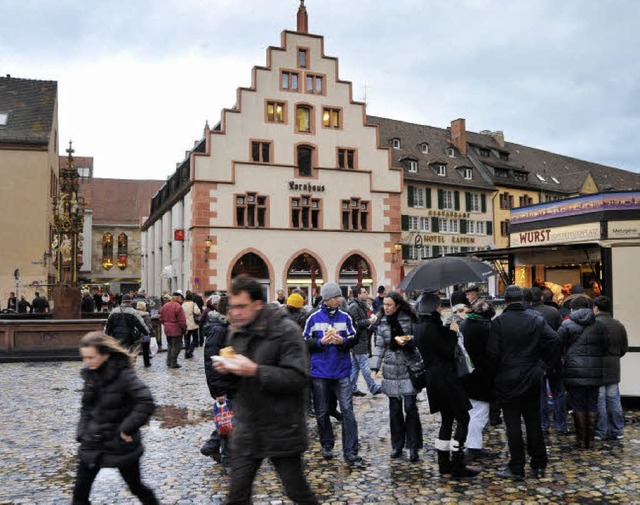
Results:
x,y
458,468
590,432
580,424
444,457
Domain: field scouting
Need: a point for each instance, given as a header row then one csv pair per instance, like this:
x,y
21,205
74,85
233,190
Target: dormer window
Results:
x,y
541,178
555,180
503,156
424,148
501,173
467,173
484,152
440,169
520,176
451,152
411,166
395,143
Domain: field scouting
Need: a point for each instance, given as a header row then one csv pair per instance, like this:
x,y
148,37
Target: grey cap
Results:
x,y
513,293
330,290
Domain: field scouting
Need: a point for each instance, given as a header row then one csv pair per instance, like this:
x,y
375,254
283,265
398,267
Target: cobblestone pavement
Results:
x,y
40,404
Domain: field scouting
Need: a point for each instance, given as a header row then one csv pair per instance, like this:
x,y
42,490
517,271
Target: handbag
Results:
x,y
417,372
153,346
464,365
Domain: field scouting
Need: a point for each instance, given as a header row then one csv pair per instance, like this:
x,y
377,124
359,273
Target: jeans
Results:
x,y
558,404
289,469
610,416
130,473
342,390
174,345
360,363
405,431
479,417
526,406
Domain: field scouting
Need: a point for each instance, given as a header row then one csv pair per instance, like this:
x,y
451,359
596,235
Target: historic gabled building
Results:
x,y
446,201
291,187
524,175
29,162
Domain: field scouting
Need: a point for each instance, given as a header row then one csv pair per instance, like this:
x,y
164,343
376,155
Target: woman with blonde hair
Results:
x,y
115,404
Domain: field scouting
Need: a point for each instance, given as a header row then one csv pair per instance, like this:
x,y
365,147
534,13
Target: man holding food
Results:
x,y
264,370
330,335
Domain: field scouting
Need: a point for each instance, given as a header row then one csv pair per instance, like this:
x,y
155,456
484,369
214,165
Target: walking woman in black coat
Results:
x,y
437,345
115,404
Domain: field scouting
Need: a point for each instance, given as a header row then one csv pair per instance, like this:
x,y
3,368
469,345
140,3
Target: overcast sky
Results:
x,y
137,79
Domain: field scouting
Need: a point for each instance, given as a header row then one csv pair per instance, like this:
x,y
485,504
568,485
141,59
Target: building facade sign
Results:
x,y
623,229
305,186
451,214
559,235
583,205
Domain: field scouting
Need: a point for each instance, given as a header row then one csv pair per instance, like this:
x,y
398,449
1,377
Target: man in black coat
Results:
x,y
267,382
519,344
126,324
610,415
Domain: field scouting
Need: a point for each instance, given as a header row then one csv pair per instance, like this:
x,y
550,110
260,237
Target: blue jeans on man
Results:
x,y
610,415
556,404
342,390
360,363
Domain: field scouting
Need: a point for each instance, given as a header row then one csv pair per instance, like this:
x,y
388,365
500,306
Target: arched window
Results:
x,y
305,160
107,251
123,246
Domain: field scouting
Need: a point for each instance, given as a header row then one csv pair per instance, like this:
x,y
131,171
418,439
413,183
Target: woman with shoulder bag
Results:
x,y
437,345
395,352
115,405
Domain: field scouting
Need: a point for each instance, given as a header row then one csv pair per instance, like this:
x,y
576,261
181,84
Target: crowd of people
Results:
x,y
269,366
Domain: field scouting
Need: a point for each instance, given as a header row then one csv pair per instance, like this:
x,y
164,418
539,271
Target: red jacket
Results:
x,y
172,317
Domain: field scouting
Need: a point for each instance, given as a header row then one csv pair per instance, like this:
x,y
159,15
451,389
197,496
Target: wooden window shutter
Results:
x,y
404,222
410,196
483,202
456,200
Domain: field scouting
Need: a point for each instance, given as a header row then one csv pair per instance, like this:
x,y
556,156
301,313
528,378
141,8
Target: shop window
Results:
x,y
315,84
355,214
107,251
305,160
290,81
347,158
305,212
260,151
275,112
251,210
303,54
303,118
331,117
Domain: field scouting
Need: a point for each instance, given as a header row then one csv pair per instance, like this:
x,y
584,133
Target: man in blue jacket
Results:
x,y
330,335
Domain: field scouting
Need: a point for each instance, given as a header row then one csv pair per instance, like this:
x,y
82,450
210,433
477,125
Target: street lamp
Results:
x,y
397,249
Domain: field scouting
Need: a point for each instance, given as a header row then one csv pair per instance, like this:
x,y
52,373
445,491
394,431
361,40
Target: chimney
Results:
x,y
498,136
303,19
459,135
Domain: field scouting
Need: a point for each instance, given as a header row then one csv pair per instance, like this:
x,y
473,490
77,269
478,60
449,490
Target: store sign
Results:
x,y
453,214
623,229
306,186
178,235
559,235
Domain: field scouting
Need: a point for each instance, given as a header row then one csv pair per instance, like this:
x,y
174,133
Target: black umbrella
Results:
x,y
446,271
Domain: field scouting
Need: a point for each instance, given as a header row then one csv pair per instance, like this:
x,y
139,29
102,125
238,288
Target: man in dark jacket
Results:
x,y
553,377
610,415
174,321
362,319
125,324
39,304
266,381
519,344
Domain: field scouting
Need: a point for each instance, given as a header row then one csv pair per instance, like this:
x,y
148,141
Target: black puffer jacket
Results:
x,y
618,346
358,311
215,331
269,408
520,344
585,343
479,383
114,401
436,344
121,324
